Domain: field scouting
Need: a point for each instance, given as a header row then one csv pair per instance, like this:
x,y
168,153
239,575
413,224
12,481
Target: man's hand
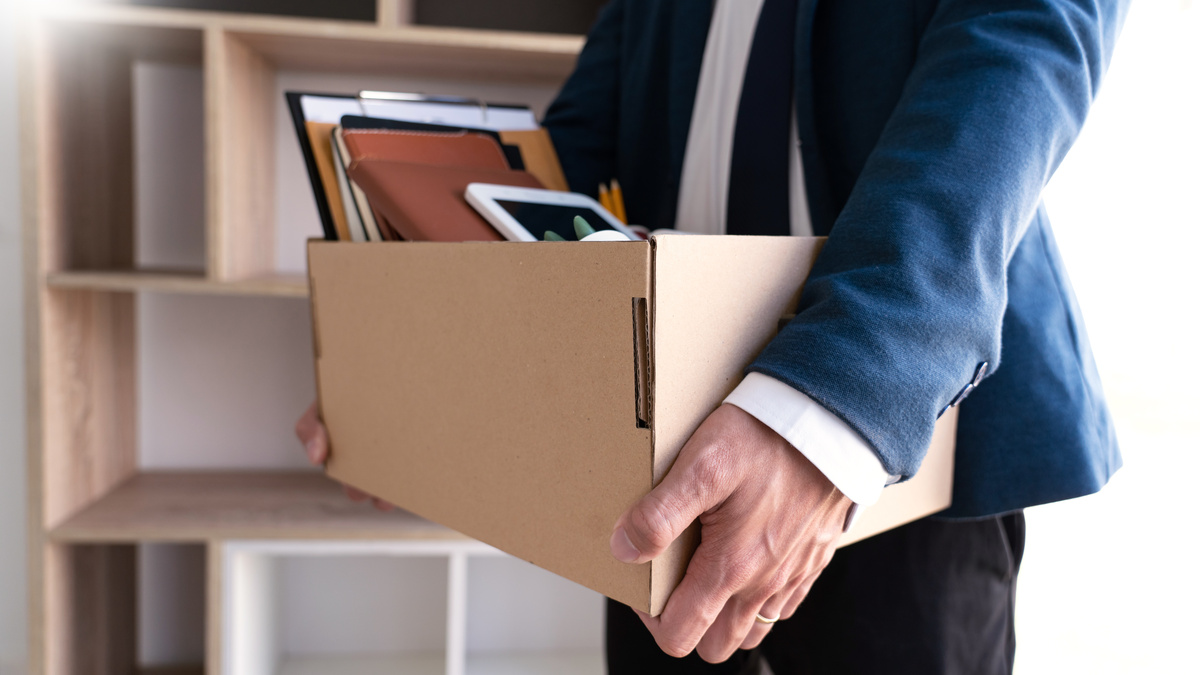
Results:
x,y
769,523
315,438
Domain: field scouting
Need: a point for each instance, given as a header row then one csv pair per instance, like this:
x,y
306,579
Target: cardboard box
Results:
x,y
526,394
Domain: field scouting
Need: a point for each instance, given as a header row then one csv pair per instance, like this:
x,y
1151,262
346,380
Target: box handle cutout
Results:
x,y
641,362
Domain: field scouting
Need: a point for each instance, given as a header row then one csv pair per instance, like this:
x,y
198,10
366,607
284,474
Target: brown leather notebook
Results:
x,y
458,148
424,202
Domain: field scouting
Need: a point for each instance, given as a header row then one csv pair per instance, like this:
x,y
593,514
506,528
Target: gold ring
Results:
x,y
762,619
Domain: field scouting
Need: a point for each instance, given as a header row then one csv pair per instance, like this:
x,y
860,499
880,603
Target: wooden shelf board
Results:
x,y
204,506
550,663
181,44
171,670
416,49
576,663
350,664
280,285
94,13
339,45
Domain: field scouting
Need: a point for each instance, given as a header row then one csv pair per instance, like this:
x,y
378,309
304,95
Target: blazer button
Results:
x,y
966,391
980,371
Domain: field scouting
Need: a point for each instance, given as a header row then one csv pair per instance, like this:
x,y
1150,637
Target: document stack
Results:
x,y
394,167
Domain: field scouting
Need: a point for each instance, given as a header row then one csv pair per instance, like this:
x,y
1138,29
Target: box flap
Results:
x,y
926,493
504,375
717,301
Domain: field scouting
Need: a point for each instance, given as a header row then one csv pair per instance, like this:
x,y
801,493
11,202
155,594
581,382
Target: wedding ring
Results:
x,y
762,619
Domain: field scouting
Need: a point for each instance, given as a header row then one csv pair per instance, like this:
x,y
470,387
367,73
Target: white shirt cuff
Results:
x,y
826,440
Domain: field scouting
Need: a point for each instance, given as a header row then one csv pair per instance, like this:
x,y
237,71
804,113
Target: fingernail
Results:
x,y
622,548
313,448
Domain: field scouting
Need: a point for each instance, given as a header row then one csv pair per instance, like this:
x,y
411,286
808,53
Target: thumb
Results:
x,y
649,526
313,435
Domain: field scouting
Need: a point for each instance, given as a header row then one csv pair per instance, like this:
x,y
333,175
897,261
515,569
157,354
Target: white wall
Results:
x,y
12,413
1109,584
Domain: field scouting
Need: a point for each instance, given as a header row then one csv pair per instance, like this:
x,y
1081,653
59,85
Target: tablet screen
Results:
x,y
539,218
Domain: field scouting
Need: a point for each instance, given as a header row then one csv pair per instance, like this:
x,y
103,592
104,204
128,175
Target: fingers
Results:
x,y
357,495
312,434
696,483
798,590
757,633
700,600
769,523
713,609
737,626
771,609
731,629
793,603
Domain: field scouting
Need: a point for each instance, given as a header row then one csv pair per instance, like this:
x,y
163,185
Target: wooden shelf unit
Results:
x,y
90,504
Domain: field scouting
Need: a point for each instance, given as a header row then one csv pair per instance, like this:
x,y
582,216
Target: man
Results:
x,y
918,136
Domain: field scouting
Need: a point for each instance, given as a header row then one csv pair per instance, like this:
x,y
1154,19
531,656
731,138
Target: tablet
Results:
x,y
526,214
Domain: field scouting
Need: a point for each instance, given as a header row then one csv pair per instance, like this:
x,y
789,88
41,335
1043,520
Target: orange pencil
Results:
x,y
618,202
606,199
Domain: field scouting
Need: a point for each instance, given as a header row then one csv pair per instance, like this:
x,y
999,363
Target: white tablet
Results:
x,y
526,214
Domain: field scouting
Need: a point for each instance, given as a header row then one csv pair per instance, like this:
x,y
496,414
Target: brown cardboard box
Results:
x,y
526,394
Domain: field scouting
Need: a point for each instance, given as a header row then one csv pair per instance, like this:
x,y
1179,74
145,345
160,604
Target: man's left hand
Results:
x,y
769,524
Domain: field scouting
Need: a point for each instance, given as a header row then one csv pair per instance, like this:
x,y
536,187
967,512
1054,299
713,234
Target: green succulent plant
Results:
x,y
582,229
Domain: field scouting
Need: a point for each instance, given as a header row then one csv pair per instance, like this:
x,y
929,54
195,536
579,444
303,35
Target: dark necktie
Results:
x,y
758,176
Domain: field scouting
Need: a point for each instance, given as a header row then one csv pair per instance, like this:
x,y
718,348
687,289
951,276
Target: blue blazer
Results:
x,y
928,132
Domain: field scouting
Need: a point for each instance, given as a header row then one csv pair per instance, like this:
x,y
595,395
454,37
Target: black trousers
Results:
x,y
932,597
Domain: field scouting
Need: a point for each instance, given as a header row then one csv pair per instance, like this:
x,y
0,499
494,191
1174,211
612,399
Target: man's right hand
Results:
x,y
315,438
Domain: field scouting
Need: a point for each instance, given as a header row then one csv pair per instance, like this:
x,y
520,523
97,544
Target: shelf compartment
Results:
x,y
85,145
518,613
290,32
163,281
242,67
203,506
448,52
263,585
91,597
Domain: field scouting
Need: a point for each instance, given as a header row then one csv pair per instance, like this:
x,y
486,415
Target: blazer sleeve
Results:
x,y
907,297
583,119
